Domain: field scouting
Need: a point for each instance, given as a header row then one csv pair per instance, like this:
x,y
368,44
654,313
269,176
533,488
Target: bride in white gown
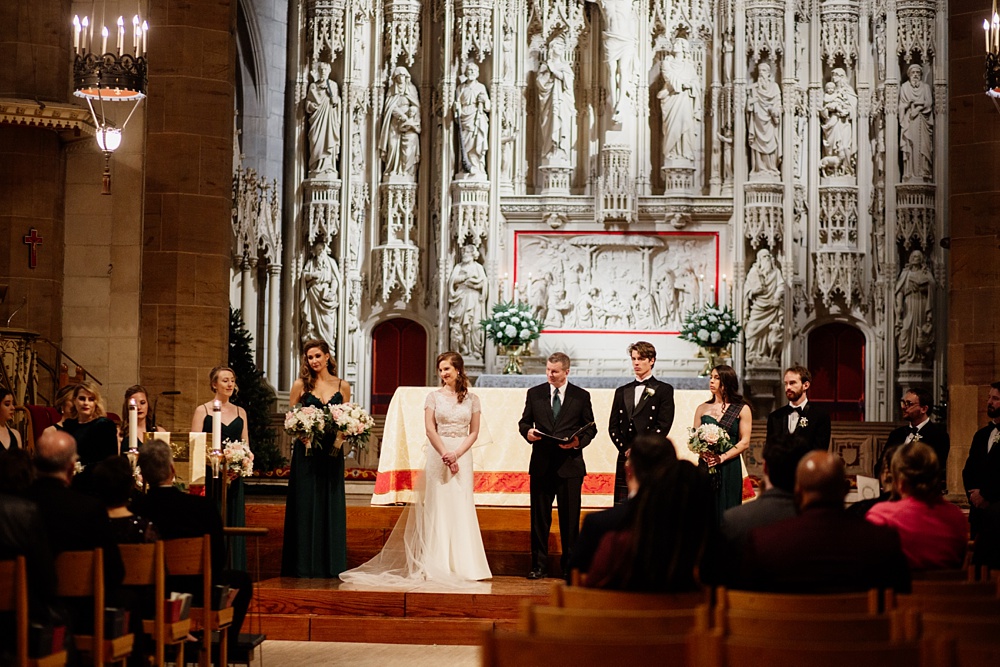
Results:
x,y
438,538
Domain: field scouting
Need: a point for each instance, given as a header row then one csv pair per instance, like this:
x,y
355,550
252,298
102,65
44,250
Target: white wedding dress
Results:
x,y
437,539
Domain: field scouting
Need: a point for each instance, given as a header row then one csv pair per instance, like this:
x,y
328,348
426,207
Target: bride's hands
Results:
x,y
453,468
450,459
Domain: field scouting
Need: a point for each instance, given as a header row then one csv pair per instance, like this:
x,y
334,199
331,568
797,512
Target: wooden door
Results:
x,y
837,363
399,359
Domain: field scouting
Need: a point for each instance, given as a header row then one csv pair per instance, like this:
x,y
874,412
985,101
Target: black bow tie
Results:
x,y
914,430
996,427
637,383
797,409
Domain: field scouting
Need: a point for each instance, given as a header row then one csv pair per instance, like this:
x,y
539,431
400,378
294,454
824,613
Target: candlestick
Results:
x,y
145,27
701,288
133,424
711,295
514,296
104,39
216,424
996,32
986,29
76,34
120,42
135,34
722,292
85,32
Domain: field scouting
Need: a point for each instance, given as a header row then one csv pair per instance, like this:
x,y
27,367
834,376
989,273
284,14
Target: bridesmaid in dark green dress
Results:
x,y
728,410
222,379
315,540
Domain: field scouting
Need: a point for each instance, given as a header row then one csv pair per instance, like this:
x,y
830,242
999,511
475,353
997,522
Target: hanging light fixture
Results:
x,y
112,76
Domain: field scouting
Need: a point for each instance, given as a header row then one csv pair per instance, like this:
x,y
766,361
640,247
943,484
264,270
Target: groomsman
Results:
x,y
642,406
915,407
981,476
809,425
555,411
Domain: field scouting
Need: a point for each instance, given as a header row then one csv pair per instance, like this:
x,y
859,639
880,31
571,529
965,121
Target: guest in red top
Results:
x,y
933,532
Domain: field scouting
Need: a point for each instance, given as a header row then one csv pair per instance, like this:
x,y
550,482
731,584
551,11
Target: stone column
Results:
x,y
973,281
32,165
188,180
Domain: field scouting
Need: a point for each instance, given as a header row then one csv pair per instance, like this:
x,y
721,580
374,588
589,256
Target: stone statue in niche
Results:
x,y
472,110
399,136
839,114
556,104
678,103
621,43
508,133
916,127
764,292
764,124
467,304
323,108
914,308
321,283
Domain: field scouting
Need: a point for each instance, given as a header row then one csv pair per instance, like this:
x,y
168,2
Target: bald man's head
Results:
x,y
55,453
820,478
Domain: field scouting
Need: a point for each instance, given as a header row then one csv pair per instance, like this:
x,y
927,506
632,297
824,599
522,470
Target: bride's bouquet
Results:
x,y
308,424
710,438
238,457
353,423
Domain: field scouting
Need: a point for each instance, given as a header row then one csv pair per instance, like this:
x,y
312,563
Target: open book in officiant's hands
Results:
x,y
569,438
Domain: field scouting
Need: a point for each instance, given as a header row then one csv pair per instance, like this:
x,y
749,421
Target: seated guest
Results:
x,y
64,403
933,532
23,534
73,521
883,473
776,502
114,484
823,549
177,514
666,540
96,436
648,460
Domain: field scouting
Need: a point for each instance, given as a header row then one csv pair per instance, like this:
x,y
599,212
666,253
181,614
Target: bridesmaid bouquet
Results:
x,y
710,438
308,424
352,423
238,457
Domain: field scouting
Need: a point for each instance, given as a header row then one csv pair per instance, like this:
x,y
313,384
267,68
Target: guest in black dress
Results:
x,y
67,409
222,380
115,486
144,420
96,436
9,438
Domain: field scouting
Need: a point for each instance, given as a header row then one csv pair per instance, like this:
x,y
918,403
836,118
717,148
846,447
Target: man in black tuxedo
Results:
x,y
808,424
915,406
823,549
642,406
556,409
981,476
177,514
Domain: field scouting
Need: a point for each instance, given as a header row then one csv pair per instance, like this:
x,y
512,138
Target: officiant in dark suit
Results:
x,y
554,411
642,406
808,424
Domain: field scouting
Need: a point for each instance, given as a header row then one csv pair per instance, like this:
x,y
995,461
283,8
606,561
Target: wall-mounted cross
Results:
x,y
32,240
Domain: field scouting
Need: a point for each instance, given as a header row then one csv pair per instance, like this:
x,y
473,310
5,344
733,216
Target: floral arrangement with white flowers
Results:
x,y
353,423
307,423
709,438
238,457
511,324
710,326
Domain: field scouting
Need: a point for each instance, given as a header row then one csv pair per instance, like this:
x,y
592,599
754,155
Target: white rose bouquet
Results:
x,y
710,326
308,424
709,438
511,324
238,458
351,421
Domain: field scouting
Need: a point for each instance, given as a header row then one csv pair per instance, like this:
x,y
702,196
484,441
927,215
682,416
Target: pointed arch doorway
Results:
x,y
399,359
837,363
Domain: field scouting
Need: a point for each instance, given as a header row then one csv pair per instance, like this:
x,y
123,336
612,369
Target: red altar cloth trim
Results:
x,y
492,482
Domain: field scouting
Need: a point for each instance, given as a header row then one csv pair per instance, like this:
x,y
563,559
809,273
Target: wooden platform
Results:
x,y
506,536
318,610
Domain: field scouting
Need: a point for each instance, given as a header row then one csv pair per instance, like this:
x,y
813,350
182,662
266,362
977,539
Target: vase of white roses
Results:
x,y
512,326
713,330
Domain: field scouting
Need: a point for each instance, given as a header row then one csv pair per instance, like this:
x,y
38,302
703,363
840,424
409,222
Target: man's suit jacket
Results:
x,y
595,526
932,434
823,550
177,514
814,435
652,414
982,471
772,506
547,457
76,522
